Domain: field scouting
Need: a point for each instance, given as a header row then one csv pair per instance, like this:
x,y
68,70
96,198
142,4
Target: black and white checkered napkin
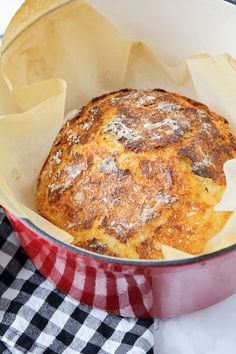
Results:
x,y
37,318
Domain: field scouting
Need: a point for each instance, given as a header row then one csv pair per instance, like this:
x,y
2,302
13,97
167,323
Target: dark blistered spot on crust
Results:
x,y
136,145
123,173
89,221
149,168
93,245
207,158
130,116
147,250
97,246
160,90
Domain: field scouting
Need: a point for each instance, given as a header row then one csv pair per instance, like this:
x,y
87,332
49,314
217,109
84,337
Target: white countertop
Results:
x,y
7,9
210,331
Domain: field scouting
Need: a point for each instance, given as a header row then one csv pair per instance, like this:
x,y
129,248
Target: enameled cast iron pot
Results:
x,y
127,287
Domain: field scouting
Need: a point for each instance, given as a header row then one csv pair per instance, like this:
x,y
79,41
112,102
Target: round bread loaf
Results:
x,y
135,169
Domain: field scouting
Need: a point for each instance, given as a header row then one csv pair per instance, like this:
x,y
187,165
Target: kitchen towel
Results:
x,y
37,318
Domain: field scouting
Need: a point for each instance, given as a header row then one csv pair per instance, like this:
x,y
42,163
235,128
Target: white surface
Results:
x,y
7,10
211,331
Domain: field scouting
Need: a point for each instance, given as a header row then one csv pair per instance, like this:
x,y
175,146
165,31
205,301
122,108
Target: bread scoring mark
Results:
x,y
196,115
124,98
64,178
207,158
202,122
142,130
140,97
74,171
206,149
200,156
146,100
173,124
120,130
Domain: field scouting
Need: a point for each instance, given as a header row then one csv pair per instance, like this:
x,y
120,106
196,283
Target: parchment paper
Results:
x,y
75,46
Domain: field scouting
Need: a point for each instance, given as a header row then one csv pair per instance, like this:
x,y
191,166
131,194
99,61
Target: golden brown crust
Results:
x,y
136,169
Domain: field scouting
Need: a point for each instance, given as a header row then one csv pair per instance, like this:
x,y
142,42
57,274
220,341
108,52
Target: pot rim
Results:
x,y
17,20
8,39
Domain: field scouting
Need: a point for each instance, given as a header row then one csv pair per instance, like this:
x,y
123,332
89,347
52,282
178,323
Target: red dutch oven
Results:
x,y
130,288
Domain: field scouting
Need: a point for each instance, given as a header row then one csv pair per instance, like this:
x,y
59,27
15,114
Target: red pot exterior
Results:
x,y
129,288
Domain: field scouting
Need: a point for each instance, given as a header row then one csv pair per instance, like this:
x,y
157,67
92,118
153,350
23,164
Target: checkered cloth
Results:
x,y
37,318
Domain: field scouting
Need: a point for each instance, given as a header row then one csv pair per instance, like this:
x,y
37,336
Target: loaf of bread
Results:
x,y
135,169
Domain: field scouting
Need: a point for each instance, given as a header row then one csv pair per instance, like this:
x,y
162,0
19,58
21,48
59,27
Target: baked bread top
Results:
x,y
135,169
